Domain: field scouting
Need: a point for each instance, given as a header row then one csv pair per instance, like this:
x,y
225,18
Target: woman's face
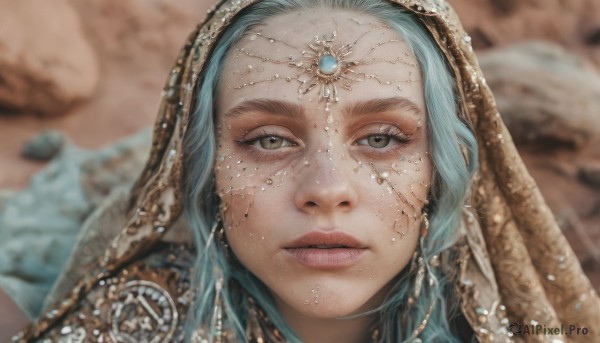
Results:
x,y
322,164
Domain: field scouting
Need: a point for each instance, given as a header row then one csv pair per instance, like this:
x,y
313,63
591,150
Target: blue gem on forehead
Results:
x,y
328,64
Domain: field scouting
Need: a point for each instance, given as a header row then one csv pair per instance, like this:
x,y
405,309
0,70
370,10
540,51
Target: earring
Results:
x,y
418,264
418,261
222,239
424,224
217,319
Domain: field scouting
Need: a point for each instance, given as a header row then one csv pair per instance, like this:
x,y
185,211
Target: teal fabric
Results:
x,y
39,225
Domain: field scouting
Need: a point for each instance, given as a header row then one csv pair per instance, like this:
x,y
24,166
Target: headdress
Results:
x,y
514,266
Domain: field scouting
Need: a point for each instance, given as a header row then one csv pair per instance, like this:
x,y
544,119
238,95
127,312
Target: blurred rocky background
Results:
x,y
79,81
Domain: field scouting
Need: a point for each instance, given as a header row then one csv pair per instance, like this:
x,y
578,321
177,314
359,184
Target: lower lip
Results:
x,y
326,258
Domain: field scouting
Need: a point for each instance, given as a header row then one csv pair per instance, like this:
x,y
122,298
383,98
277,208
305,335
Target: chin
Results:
x,y
335,301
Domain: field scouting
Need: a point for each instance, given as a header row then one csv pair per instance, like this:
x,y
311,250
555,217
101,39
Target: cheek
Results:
x,y
249,195
403,189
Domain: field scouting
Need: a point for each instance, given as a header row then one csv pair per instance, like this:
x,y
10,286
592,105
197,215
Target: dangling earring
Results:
x,y
424,225
418,261
222,239
217,319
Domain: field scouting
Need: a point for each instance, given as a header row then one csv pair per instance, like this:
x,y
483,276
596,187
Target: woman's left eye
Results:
x,y
376,141
382,140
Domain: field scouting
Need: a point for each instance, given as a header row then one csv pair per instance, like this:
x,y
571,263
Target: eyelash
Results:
x,y
258,153
392,132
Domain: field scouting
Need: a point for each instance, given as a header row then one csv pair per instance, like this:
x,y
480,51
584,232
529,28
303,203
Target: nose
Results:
x,y
324,188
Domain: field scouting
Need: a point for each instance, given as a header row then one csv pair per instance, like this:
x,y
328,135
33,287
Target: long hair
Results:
x,y
453,150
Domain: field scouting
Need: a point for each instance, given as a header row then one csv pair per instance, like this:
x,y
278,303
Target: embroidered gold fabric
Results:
x,y
515,264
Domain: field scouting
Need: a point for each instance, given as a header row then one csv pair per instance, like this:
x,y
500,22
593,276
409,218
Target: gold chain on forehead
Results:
x,y
514,259
326,64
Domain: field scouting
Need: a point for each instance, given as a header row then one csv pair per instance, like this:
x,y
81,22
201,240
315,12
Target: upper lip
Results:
x,y
319,239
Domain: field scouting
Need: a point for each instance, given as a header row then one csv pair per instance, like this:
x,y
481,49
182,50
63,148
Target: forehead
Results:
x,y
272,57
302,26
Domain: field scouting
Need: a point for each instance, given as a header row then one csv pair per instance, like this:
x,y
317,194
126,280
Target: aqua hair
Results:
x,y
453,151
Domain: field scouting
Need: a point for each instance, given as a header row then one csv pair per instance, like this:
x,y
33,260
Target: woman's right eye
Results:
x,y
270,142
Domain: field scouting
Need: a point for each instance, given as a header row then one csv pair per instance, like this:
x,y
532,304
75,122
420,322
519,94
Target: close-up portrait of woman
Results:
x,y
325,171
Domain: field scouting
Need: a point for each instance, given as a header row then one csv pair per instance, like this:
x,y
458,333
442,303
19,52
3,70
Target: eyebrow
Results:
x,y
360,108
292,110
270,106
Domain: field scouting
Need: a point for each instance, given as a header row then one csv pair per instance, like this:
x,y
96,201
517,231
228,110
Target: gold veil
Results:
x,y
515,264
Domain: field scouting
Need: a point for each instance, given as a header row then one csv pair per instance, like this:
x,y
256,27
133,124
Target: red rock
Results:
x,y
46,63
548,97
572,23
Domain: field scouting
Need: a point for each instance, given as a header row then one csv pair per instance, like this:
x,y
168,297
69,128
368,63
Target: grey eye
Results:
x,y
378,141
